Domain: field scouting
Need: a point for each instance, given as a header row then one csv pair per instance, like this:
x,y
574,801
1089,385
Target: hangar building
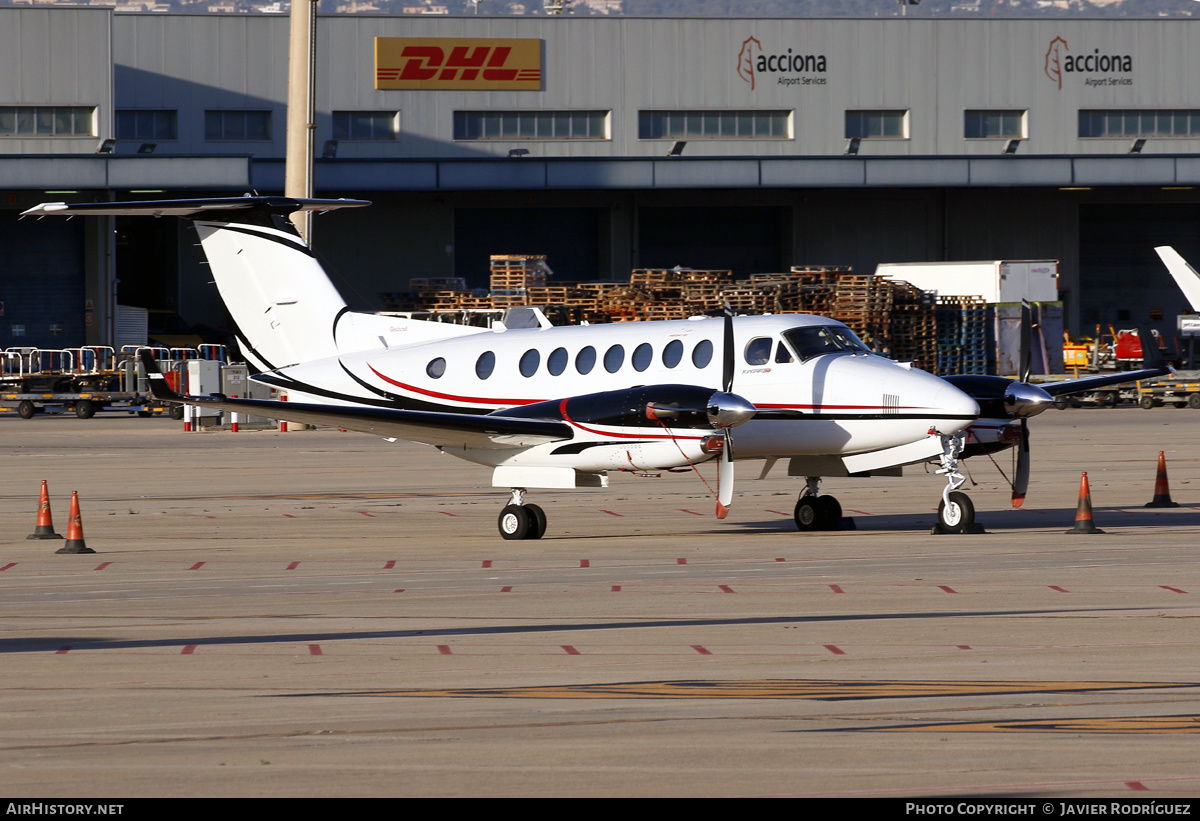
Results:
x,y
604,143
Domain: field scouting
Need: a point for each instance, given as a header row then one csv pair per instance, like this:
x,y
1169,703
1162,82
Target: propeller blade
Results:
x,y
727,355
1021,480
725,479
1026,341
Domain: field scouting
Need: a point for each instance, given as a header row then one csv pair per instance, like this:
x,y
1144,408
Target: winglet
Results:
x,y
1152,356
159,386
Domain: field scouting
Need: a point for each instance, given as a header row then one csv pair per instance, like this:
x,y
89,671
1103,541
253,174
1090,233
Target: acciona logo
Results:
x,y
1060,61
791,67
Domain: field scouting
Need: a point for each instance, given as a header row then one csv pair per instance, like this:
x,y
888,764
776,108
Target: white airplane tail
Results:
x,y
285,308
1185,275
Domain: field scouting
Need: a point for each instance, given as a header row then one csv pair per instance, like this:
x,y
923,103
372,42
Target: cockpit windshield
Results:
x,y
822,339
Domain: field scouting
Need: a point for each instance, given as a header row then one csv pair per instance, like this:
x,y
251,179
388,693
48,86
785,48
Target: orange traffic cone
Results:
x,y
1083,514
45,524
74,542
1162,493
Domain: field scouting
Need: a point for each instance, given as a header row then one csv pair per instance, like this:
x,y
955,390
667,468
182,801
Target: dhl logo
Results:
x,y
458,63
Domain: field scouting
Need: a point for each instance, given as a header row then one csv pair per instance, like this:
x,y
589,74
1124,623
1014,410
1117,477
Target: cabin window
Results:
x,y
643,355
758,351
702,353
485,364
530,361
614,358
436,368
585,360
782,354
556,362
673,353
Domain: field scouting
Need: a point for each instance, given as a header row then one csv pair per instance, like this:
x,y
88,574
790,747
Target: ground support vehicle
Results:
x,y
1181,390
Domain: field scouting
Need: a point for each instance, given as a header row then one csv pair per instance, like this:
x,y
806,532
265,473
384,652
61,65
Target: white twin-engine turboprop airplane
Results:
x,y
561,407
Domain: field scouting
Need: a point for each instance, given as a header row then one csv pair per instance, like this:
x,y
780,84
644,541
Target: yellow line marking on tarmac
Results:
x,y
1109,724
783,689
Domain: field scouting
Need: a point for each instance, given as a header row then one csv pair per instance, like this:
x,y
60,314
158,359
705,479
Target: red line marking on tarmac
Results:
x,y
1059,589
62,651
444,513
836,588
570,651
681,561
1172,589
947,588
702,650
314,650
780,560
610,513
724,588
187,650
196,566
780,512
506,589
685,510
400,590
288,516
444,649
963,646
102,565
585,562
833,648
390,564
487,563
616,588
293,565
368,515
7,566
1137,785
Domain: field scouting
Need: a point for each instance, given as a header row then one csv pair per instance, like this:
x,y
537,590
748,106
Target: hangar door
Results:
x,y
41,283
567,237
745,240
1122,280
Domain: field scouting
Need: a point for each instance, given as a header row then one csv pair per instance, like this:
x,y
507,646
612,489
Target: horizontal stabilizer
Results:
x,y
209,208
432,428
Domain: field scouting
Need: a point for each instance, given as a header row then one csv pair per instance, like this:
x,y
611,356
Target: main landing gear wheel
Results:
x,y
522,522
957,516
817,513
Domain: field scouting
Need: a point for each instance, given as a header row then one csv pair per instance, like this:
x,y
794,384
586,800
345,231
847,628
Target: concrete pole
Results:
x,y
298,175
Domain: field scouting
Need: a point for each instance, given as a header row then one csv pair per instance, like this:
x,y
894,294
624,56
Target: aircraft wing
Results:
x,y
186,208
431,428
1152,362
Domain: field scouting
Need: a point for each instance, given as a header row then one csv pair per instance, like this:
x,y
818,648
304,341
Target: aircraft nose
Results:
x,y
955,402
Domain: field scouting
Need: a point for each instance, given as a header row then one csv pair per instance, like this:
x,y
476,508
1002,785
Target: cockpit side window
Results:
x,y
818,340
782,354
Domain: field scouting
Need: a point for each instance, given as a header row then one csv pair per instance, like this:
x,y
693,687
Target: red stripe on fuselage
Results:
x,y
474,400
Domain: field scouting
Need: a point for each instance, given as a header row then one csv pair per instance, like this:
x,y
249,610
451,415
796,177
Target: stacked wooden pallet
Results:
x,y
913,325
512,275
962,334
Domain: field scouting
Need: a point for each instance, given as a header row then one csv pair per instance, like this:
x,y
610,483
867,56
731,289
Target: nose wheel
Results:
x,y
815,512
521,521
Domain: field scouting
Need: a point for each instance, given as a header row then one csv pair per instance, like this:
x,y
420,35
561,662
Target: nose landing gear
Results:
x,y
815,512
956,513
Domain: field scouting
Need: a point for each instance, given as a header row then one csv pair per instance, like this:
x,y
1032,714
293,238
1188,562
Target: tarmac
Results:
x,y
327,614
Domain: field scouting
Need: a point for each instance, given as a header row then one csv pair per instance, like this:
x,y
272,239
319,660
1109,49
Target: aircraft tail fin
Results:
x,y
285,308
1185,275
